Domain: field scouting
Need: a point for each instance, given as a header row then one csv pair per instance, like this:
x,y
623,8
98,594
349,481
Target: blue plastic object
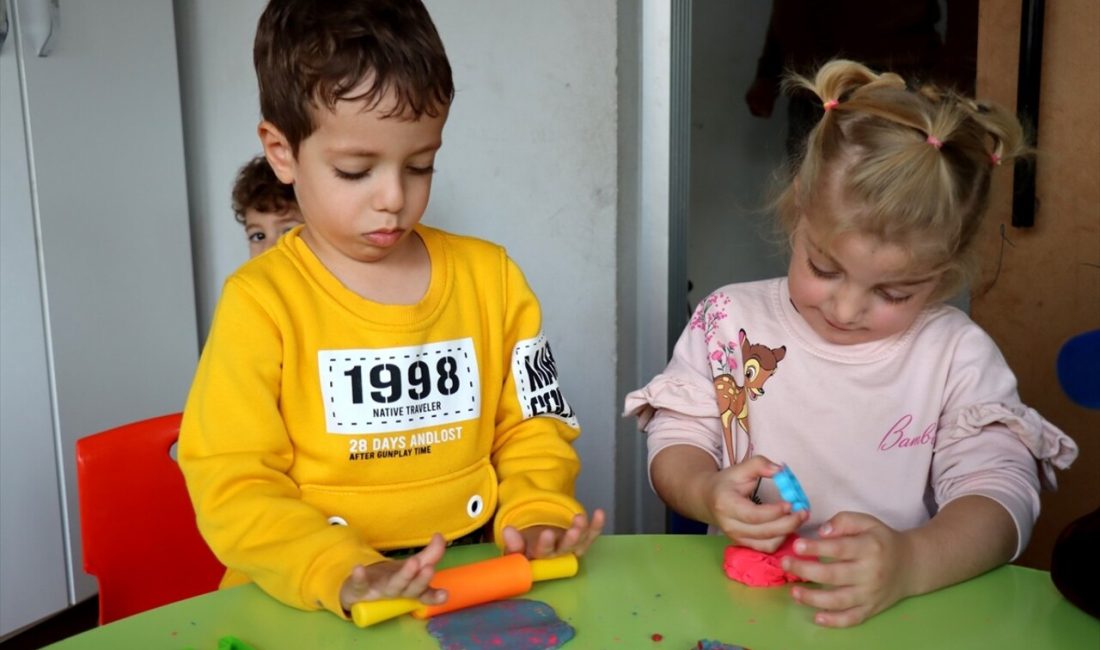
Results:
x,y
1079,369
791,490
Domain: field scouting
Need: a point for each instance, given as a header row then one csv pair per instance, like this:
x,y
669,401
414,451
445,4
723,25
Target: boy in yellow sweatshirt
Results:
x,y
372,383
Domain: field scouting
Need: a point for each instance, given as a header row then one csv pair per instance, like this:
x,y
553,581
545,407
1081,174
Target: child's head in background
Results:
x,y
354,95
886,201
264,205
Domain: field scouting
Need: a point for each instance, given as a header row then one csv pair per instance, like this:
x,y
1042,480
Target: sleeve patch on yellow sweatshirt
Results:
x,y
536,377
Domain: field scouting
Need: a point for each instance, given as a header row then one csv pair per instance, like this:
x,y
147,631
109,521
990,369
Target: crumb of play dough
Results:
x,y
656,637
517,623
757,569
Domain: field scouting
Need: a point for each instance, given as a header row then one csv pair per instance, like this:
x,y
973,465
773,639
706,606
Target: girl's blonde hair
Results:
x,y
915,163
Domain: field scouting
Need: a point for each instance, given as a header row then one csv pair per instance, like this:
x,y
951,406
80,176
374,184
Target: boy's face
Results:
x,y
362,181
263,229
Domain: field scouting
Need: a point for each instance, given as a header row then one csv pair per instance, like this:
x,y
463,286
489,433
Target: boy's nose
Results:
x,y
389,193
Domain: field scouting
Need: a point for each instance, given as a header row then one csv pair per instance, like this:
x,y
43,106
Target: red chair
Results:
x,y
136,520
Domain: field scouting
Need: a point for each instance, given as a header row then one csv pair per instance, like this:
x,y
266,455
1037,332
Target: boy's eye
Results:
x,y
350,176
421,171
819,272
257,237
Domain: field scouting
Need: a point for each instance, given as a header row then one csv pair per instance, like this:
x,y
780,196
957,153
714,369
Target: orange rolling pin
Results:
x,y
471,584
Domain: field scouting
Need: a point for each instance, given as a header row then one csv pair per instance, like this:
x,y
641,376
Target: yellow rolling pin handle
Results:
x,y
563,566
369,612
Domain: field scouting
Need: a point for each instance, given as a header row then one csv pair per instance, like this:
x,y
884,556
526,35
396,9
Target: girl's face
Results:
x,y
854,288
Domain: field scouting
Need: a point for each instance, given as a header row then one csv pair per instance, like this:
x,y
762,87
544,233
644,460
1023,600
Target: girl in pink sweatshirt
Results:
x,y
897,413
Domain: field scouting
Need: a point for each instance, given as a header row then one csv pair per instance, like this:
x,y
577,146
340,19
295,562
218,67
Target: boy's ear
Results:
x,y
278,152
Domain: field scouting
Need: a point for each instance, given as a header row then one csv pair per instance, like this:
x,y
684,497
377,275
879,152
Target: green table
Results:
x,y
631,587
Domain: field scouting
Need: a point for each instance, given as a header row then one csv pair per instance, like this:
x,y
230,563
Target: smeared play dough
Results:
x,y
517,623
705,644
757,569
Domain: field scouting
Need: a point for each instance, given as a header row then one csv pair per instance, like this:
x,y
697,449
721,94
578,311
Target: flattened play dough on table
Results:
x,y
517,623
757,569
707,644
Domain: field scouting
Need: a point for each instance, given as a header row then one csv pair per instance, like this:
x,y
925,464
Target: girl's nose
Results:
x,y
848,305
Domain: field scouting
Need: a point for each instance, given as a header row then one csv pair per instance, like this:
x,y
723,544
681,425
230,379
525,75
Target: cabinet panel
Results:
x,y
107,138
104,136
33,580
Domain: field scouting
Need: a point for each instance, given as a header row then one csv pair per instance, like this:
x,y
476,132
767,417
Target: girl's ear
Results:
x,y
278,152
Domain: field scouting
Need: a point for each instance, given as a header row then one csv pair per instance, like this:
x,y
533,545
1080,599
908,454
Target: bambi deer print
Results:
x,y
759,363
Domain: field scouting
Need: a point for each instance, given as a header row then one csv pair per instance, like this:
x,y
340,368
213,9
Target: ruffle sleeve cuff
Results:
x,y
1046,442
671,393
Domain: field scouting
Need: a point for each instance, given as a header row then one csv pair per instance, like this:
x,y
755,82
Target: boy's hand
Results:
x,y
548,541
762,527
866,572
406,578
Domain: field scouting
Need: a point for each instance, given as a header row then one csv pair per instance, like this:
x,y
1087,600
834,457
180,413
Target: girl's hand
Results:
x,y
762,527
548,541
868,571
406,578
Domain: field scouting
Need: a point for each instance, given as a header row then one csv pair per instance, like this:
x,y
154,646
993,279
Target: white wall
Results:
x,y
733,154
529,160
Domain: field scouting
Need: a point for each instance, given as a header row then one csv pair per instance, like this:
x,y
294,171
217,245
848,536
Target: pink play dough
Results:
x,y
758,569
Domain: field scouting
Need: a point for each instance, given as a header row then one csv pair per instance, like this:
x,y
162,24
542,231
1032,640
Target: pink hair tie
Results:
x,y
830,105
934,141
995,158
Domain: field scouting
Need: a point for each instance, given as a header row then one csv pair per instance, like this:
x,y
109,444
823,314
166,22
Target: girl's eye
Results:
x,y
422,171
820,273
257,237
350,176
894,299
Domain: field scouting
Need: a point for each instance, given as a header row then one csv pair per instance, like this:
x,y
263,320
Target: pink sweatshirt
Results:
x,y
895,428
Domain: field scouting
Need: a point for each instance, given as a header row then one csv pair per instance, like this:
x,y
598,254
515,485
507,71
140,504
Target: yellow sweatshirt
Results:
x,y
322,427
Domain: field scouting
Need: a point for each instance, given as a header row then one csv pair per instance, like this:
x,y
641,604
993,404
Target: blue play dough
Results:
x,y
516,623
791,490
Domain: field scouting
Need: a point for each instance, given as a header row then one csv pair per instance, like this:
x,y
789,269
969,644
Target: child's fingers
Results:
x,y
432,553
513,540
765,537
836,548
834,599
848,523
845,618
570,539
843,607
765,513
359,577
595,528
837,573
756,467
418,583
434,596
544,544
768,545
751,526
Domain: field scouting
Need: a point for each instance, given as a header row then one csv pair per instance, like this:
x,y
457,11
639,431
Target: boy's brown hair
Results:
x,y
311,54
257,188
